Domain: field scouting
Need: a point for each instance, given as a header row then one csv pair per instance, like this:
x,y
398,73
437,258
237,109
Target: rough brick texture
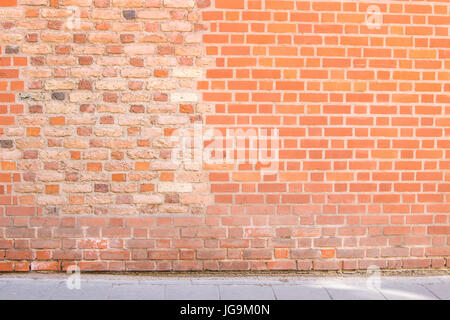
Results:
x,y
92,92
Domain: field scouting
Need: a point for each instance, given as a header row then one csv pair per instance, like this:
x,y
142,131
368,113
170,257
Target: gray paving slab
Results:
x,y
28,290
192,292
246,292
351,290
300,292
233,281
167,281
402,290
3,283
249,281
89,290
440,290
137,292
96,287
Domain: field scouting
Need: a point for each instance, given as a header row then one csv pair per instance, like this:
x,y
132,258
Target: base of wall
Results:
x,y
406,265
273,273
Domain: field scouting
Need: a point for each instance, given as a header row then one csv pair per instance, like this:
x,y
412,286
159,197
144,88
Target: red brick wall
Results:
x,y
100,105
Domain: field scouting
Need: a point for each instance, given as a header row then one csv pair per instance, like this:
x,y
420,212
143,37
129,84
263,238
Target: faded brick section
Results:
x,y
92,93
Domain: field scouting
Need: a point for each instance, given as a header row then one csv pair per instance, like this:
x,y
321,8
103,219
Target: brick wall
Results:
x,y
103,102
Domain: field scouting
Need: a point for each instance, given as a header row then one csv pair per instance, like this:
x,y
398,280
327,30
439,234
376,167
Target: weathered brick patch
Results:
x,y
93,93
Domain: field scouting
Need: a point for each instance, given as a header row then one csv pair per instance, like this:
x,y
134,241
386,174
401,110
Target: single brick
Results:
x,y
11,49
58,95
6,144
129,14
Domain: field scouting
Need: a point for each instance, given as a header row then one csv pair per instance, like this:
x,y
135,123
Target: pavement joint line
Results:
x,y
274,294
109,293
381,293
218,291
430,291
328,292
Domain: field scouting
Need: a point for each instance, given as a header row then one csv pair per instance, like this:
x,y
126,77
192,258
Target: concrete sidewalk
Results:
x,y
55,286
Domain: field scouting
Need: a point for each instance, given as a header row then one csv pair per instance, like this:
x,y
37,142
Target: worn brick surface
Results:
x,y
93,92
